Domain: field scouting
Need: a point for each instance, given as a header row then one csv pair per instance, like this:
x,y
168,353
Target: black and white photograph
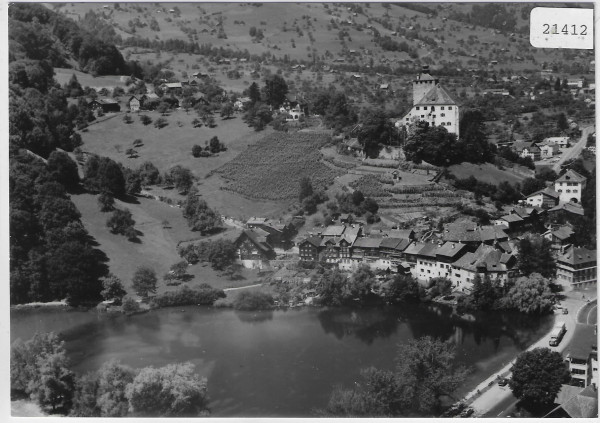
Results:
x,y
300,210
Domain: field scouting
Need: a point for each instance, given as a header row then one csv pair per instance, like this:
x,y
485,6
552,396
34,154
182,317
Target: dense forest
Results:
x,y
52,257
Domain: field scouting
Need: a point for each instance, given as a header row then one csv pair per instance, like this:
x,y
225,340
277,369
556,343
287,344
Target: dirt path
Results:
x,y
242,287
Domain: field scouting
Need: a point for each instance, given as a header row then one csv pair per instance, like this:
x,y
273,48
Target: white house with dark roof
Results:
x,y
544,198
577,266
569,186
432,104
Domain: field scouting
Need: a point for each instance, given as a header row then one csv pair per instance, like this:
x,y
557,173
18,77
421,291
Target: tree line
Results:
x,y
40,370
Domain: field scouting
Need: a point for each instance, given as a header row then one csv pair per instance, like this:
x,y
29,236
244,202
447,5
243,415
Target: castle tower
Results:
x,y
423,84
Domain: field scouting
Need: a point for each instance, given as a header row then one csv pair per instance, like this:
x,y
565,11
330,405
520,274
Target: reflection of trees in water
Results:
x,y
438,321
254,316
365,324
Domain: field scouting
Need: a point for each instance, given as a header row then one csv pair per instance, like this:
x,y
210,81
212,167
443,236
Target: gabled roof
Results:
x,y
568,207
424,76
258,238
571,176
546,191
414,248
563,233
436,95
368,242
335,230
511,218
577,402
428,250
487,258
313,240
401,233
389,243
575,256
257,221
450,249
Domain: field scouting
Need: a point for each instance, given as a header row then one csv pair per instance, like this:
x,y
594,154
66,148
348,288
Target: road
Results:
x,y
497,401
575,151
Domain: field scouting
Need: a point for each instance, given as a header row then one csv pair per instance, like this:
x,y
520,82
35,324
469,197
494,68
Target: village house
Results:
x,y
545,198
432,104
527,149
575,402
562,142
548,149
560,237
565,212
486,261
582,355
172,88
253,249
309,248
280,235
240,103
569,186
352,145
105,104
134,104
577,267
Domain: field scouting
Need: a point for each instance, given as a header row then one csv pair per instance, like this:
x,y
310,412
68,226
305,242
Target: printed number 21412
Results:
x,y
553,29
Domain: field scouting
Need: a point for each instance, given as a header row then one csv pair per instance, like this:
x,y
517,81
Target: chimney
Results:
x,y
452,245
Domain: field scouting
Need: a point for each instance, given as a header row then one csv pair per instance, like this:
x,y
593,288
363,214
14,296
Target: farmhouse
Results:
x,y
527,149
562,142
172,87
432,103
569,186
253,249
280,235
559,237
548,149
105,104
485,261
134,104
309,248
545,198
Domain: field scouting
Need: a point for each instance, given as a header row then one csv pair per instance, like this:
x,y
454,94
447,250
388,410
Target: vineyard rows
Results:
x,y
272,168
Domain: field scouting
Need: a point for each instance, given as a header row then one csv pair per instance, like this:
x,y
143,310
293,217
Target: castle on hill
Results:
x,y
431,103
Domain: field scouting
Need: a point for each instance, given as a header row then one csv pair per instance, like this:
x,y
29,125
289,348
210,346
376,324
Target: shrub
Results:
x,y
253,300
203,295
145,119
161,123
130,306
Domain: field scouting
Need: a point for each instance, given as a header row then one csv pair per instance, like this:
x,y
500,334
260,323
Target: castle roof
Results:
x,y
436,95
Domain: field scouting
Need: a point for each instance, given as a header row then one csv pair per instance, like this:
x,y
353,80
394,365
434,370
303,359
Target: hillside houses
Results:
x,y
105,104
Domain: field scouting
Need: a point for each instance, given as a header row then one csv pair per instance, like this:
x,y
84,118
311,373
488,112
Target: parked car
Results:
x,y
565,311
503,382
467,412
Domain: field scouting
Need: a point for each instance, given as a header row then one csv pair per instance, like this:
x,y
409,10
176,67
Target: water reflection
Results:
x,y
254,316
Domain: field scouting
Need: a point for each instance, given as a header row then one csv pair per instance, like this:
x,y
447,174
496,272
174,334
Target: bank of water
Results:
x,y
283,362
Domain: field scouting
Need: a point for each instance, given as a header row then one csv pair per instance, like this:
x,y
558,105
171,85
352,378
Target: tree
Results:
x,y
425,371
330,287
170,391
39,368
401,289
149,174
473,145
160,123
306,189
221,253
535,256
258,116
484,294
215,145
85,396
113,380
227,110
434,145
181,177
121,222
63,169
145,119
179,269
376,130
200,217
144,281
530,295
561,122
537,376
531,185
102,174
275,90
106,202
196,150
254,93
113,289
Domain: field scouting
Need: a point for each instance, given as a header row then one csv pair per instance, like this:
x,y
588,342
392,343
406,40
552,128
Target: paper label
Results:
x,y
561,27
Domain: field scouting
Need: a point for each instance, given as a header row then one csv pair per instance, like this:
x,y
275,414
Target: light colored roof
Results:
x,y
512,218
335,230
450,249
571,176
546,191
563,233
256,220
413,249
582,404
173,85
425,77
568,207
436,95
401,233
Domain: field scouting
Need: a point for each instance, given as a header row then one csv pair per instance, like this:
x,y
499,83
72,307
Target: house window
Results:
x,y
443,124
429,271
568,191
424,107
574,191
449,124
418,108
560,190
422,116
443,114
442,107
449,107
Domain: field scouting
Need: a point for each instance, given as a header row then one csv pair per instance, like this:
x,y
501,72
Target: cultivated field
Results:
x,y
272,168
63,75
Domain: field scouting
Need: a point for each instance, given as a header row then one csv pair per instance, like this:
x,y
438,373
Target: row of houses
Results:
x,y
567,188
548,148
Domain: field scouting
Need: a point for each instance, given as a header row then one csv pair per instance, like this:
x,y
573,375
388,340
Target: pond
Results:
x,y
281,363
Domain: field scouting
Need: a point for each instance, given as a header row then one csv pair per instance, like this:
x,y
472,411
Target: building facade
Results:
x,y
577,267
